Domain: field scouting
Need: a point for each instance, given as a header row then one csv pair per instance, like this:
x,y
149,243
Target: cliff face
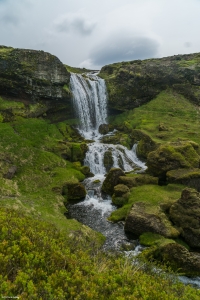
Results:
x,y
34,76
131,84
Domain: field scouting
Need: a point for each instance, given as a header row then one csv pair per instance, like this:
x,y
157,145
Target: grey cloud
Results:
x,y
10,19
187,44
78,25
124,48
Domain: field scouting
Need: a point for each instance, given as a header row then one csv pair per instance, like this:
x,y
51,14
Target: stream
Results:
x,y
90,106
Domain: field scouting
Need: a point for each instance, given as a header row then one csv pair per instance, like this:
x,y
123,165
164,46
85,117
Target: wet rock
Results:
x,y
11,172
121,195
172,156
145,144
104,128
74,191
108,160
185,214
143,218
111,180
188,177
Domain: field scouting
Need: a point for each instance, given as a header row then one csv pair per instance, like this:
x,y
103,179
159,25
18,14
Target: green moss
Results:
x,y
152,239
77,70
120,214
169,108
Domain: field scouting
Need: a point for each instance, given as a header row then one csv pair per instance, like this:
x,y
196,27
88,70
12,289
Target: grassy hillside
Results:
x,y
167,117
35,148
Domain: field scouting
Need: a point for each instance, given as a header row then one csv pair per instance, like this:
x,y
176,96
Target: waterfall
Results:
x,y
90,106
90,103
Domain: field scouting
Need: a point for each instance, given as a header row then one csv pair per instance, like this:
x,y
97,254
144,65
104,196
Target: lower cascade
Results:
x,y
90,106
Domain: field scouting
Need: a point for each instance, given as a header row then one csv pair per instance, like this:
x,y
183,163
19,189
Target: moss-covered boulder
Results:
x,y
108,160
112,180
143,218
185,214
188,177
74,191
172,156
144,142
178,258
121,194
137,180
104,128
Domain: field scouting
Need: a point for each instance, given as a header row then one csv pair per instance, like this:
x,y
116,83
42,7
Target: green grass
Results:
x,y
152,195
41,173
77,70
179,117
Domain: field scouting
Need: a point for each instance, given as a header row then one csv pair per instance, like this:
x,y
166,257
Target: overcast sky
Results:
x,y
93,33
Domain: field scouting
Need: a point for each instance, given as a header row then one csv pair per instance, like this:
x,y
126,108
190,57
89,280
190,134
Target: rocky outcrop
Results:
x,y
74,191
121,195
144,142
112,180
172,156
188,177
131,84
185,214
32,76
179,258
104,128
142,218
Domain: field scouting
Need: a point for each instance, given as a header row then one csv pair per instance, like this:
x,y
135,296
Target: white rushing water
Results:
x,y
90,103
90,106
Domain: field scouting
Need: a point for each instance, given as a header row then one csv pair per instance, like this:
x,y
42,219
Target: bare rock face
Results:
x,y
185,214
143,218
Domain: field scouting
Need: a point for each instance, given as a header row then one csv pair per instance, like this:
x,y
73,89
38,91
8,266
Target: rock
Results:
x,y
145,144
11,172
121,195
104,128
108,160
111,180
188,177
138,180
179,259
143,218
172,156
35,76
131,84
185,214
74,191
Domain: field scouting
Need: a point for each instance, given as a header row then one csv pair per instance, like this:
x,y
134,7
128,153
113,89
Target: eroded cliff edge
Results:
x,y
131,84
32,76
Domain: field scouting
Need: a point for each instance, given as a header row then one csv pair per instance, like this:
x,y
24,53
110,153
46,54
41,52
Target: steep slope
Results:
x,y
131,84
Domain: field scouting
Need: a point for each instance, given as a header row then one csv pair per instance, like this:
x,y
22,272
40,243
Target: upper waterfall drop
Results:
x,y
90,103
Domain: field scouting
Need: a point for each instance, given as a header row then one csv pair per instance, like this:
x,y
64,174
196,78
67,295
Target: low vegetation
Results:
x,y
39,262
